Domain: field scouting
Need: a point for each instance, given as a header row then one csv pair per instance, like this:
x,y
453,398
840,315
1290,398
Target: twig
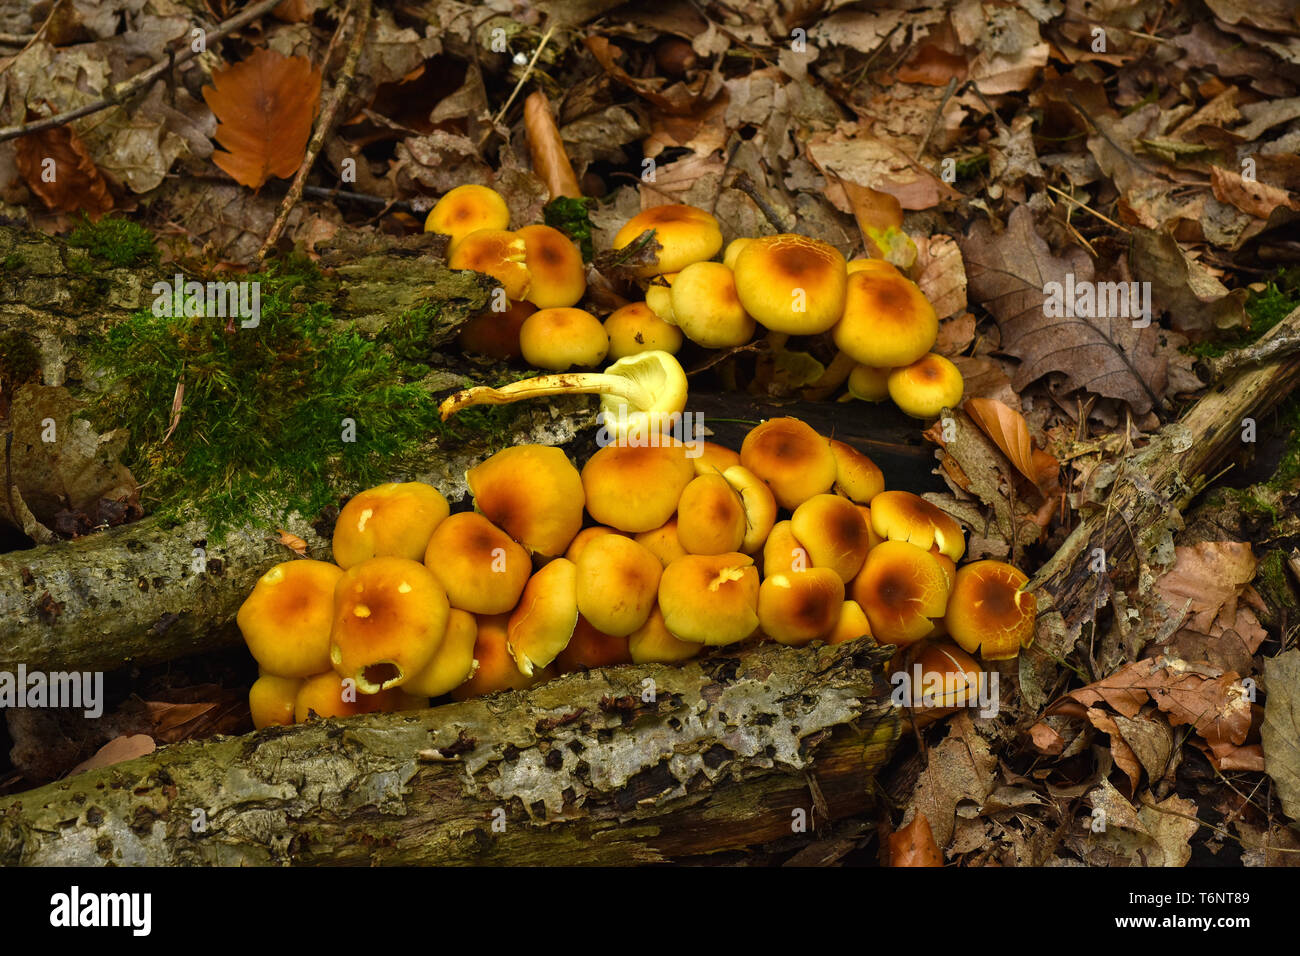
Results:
x,y
947,94
1086,208
970,85
528,71
358,14
1268,349
746,186
142,80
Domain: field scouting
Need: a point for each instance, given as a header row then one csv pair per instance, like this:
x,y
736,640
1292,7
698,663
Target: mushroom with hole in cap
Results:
x,y
927,386
496,253
710,598
641,396
558,339
390,615
541,626
532,493
636,487
834,534
557,277
286,618
482,569
710,517
798,608
617,581
685,234
794,461
706,308
903,591
887,321
454,663
903,516
990,612
393,520
791,284
467,209
635,328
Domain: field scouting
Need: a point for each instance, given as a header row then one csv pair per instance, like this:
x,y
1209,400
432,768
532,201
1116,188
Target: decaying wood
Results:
x,y
733,753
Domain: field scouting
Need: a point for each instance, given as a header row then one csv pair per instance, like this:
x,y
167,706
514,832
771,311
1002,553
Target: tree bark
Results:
x,y
730,754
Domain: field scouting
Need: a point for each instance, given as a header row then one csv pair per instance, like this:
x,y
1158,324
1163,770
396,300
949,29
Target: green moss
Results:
x,y
1287,475
13,262
1265,310
264,420
119,242
573,218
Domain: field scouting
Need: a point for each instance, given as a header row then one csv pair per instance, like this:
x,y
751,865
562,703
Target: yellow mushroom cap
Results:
x,y
927,386
659,298
559,339
271,700
494,668
329,695
558,277
710,518
857,477
286,618
791,457
706,307
652,643
585,537
878,266
990,612
687,235
791,283
948,674
903,590
851,625
467,209
589,648
733,251
393,520
869,383
715,459
636,487
480,567
454,663
496,253
832,530
797,608
390,615
903,516
758,504
710,598
662,542
531,492
540,627
635,328
495,334
617,581
887,320
782,552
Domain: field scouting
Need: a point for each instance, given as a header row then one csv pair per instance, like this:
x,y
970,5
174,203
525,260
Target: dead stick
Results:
x,y
947,93
360,20
128,88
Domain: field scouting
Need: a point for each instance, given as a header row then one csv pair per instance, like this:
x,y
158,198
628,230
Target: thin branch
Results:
x,y
934,122
360,19
128,88
746,186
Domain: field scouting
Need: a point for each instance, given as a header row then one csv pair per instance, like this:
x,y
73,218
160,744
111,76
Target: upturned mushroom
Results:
x,y
641,396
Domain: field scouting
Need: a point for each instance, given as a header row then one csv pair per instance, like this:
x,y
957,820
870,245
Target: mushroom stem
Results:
x,y
576,383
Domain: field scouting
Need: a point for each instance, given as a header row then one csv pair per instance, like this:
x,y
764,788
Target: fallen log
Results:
x,y
730,757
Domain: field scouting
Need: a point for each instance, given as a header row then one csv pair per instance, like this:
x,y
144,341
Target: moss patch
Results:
x,y
1266,309
119,242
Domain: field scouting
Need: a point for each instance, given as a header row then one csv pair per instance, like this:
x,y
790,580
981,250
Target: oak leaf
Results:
x,y
57,167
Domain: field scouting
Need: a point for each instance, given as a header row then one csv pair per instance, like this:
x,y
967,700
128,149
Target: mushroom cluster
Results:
x,y
648,553
879,320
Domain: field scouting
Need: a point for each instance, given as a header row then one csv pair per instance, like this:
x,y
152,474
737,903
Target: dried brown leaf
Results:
x,y
57,167
913,845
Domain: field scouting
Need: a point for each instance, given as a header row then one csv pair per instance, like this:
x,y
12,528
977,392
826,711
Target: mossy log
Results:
x,y
737,754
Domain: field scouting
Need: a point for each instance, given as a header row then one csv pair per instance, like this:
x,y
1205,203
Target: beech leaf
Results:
x,y
57,167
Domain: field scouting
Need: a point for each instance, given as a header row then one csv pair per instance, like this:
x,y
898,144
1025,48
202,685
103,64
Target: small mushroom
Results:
x,y
559,339
641,396
685,233
903,591
653,643
710,598
393,520
271,700
531,492
715,459
467,209
990,612
454,662
286,619
558,278
662,542
541,626
480,567
635,328
585,537
710,516
857,477
887,321
636,487
851,625
497,253
834,533
326,695
868,383
495,334
495,669
782,552
926,387
794,461
758,503
791,284
903,516
706,308
617,581
589,648
798,608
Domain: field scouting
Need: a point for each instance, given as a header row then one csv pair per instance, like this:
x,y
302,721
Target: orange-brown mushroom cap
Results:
x,y
482,569
558,277
585,537
851,624
497,253
662,542
990,612
590,648
390,615
531,492
329,695
653,643
857,477
393,520
636,487
454,662
903,516
758,504
791,284
715,459
797,608
271,700
791,457
687,235
286,618
541,626
494,669
467,209
710,517
560,339
869,383
635,328
948,676
706,306
903,590
887,320
495,334
782,552
617,582
834,533
927,386
710,598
